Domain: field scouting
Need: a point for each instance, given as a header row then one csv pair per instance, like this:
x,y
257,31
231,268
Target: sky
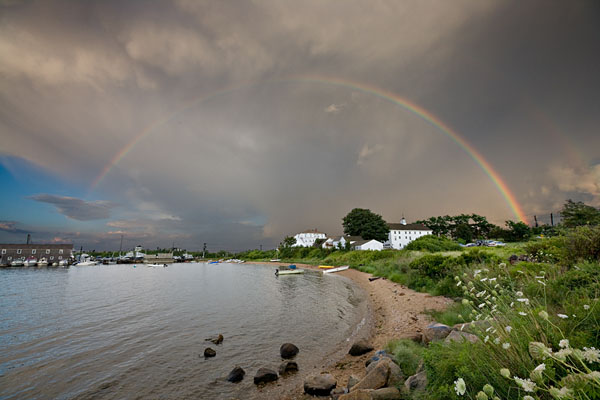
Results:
x,y
236,123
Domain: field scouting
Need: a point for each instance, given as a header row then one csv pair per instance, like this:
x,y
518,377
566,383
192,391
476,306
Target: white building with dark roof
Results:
x,y
308,238
402,234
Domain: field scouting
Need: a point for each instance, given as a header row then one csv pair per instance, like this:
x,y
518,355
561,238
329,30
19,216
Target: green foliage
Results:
x,y
288,241
463,226
432,265
365,223
463,232
433,244
579,214
517,231
407,353
583,243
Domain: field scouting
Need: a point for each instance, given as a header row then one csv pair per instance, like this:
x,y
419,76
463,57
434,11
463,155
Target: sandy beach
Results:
x,y
394,312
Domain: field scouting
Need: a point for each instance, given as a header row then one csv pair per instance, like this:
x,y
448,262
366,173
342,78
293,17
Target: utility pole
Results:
x,y
551,219
204,250
535,219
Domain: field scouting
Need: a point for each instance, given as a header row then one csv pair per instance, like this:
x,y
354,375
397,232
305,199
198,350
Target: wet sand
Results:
x,y
394,312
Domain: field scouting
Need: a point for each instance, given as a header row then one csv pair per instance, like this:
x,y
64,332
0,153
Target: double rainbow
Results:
x,y
417,110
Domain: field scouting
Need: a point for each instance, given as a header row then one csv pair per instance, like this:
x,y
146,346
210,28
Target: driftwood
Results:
x,y
374,278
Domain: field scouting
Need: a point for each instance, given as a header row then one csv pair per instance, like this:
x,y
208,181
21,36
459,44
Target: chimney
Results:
x,y
28,238
403,221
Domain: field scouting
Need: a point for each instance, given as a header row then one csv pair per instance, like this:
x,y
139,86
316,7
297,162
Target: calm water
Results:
x,y
114,332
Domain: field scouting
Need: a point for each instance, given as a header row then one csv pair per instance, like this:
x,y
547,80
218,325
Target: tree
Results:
x,y
464,232
579,214
517,231
365,223
288,241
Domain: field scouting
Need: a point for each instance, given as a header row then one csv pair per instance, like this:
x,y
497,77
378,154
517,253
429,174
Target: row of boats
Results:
x,y
292,270
42,262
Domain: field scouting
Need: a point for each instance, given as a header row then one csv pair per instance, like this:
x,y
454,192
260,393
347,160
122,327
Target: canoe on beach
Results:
x,y
289,272
326,266
342,268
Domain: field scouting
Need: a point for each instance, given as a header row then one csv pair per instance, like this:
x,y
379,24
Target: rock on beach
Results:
x,y
359,348
208,352
319,385
264,375
236,374
288,350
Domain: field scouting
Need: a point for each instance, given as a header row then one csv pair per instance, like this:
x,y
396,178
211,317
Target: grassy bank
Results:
x,y
539,318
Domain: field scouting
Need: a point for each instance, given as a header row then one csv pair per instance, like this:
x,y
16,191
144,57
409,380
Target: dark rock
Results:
x,y
236,374
396,376
319,385
215,339
436,331
264,375
288,350
208,352
416,382
359,348
288,367
513,259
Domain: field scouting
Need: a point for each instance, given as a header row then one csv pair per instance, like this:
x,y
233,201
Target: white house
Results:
x,y
308,238
372,244
402,234
339,242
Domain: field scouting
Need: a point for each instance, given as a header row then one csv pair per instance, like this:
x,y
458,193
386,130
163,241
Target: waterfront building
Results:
x,y
374,245
308,238
402,234
53,253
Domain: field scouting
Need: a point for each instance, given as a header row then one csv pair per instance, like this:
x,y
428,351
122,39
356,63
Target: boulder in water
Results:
x,y
288,367
288,350
208,352
264,375
236,374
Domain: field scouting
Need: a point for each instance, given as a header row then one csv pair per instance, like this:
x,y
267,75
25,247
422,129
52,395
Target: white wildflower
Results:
x,y
563,393
496,286
512,303
481,305
563,344
591,354
528,397
523,300
537,373
522,313
563,316
505,345
562,354
508,328
595,375
526,384
519,294
586,306
489,328
543,314
493,279
486,338
497,341
505,372
502,265
483,279
543,284
460,387
459,283
480,293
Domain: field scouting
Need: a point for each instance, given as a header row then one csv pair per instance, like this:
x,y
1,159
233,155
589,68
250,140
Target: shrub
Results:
x,y
432,265
407,353
433,244
583,243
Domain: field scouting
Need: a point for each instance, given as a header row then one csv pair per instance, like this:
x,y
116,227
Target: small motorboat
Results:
x,y
30,262
62,263
42,262
342,268
326,266
86,263
156,265
19,262
288,271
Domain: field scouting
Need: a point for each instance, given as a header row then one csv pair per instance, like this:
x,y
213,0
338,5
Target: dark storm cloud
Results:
x,y
82,80
77,209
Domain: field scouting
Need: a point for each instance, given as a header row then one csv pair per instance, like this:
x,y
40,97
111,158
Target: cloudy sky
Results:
x,y
236,123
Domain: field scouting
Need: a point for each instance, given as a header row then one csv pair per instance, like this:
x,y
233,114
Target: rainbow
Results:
x,y
415,109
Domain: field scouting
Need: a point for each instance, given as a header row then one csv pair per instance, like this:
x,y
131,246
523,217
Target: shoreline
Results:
x,y
393,312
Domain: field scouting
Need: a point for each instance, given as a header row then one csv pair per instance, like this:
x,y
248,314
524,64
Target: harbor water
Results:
x,y
119,331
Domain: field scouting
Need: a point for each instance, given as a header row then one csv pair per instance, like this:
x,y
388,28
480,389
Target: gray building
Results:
x,y
53,253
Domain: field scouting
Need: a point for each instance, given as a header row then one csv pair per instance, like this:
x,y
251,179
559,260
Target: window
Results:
x,y
3,251
47,251
60,257
33,251
18,251
9,258
60,251
52,257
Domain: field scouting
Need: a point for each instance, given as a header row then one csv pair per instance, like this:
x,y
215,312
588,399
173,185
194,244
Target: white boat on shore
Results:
x,y
17,263
288,272
156,265
30,262
42,262
342,268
